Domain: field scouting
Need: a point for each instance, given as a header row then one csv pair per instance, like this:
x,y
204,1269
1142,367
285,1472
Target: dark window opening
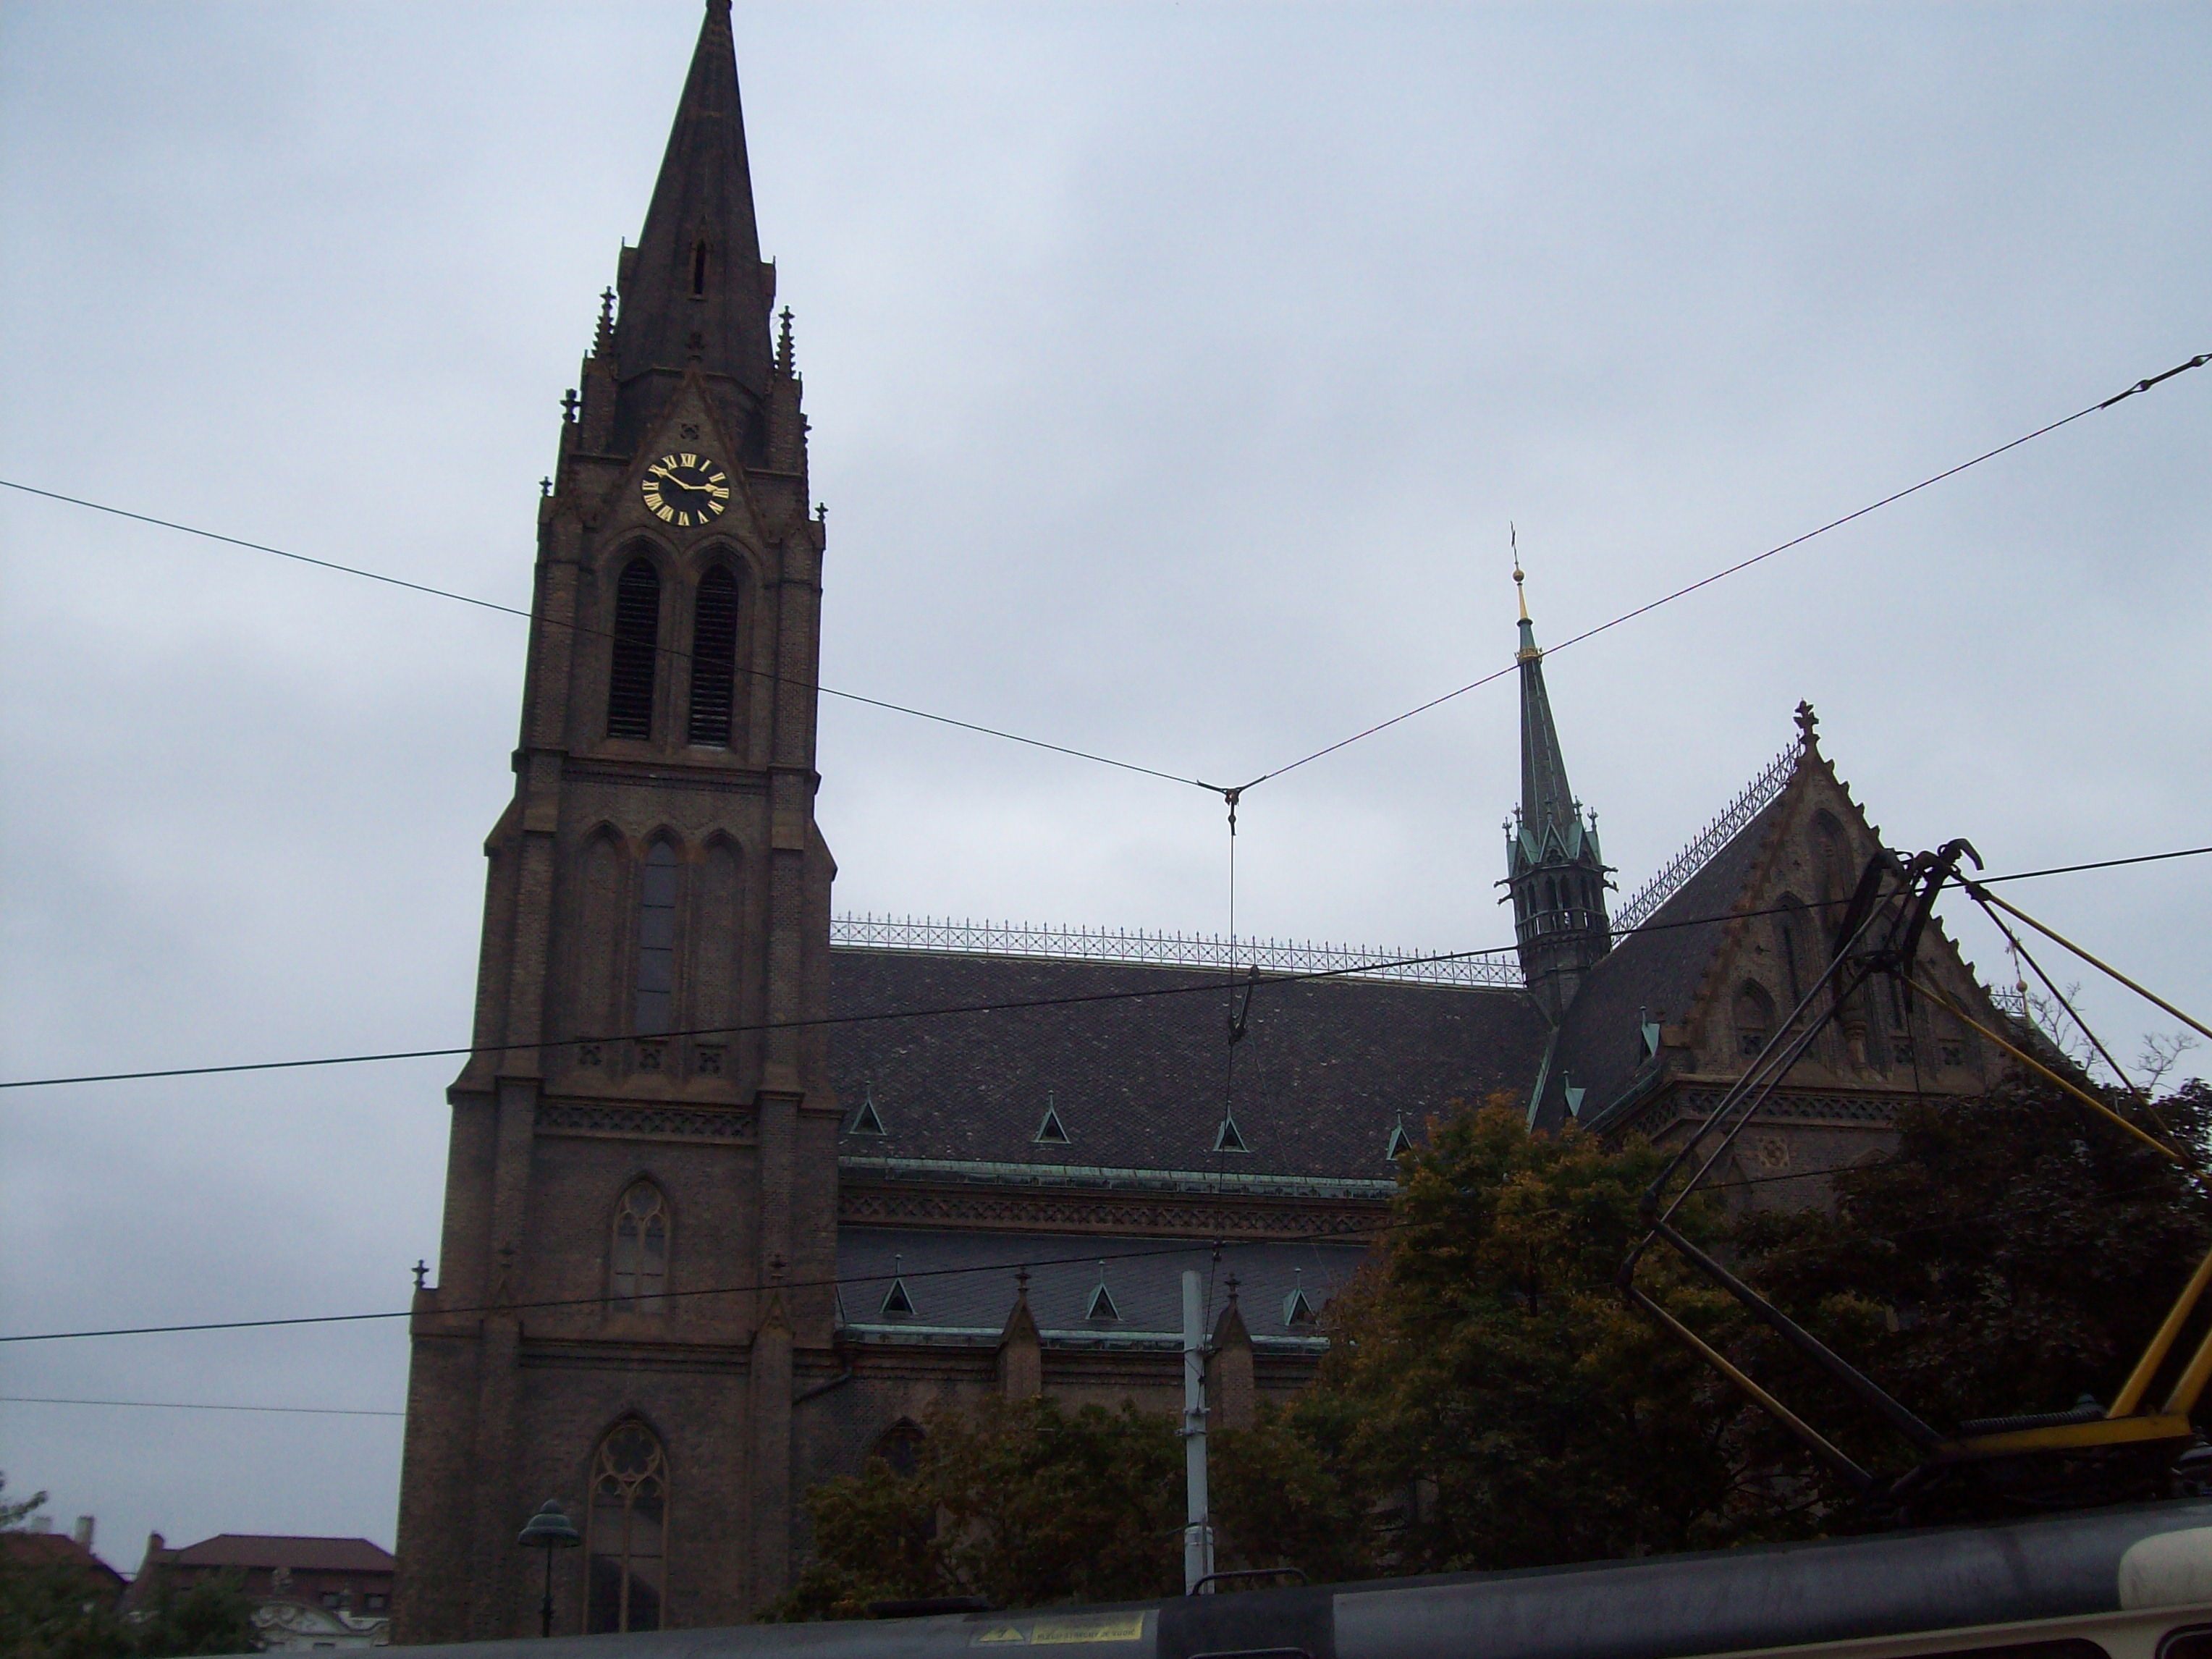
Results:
x,y
656,944
713,659
637,640
699,269
2069,1647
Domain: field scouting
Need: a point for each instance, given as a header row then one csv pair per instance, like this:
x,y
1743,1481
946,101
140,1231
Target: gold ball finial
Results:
x,y
1513,537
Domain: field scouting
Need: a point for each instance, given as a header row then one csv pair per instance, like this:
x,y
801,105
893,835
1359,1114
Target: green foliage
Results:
x,y
1024,1502
57,1609
214,1615
2011,1254
1489,1400
1502,1396
1283,1493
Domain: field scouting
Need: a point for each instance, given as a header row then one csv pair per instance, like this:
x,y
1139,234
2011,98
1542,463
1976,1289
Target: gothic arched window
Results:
x,y
628,1531
900,1445
637,640
656,941
1754,1016
713,658
637,1263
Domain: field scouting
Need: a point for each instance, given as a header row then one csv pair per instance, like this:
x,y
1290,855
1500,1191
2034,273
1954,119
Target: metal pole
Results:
x,y
1198,1533
546,1608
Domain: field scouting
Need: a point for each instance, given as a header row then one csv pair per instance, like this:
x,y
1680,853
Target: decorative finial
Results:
x,y
1021,1284
1513,537
1233,1282
1807,721
604,341
545,486
568,401
783,343
421,1271
821,513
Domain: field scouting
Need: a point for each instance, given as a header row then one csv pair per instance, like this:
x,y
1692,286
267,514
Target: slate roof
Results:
x,y
1324,1070
1657,969
965,1281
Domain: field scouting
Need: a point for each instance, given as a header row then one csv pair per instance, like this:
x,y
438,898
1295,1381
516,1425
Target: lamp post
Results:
x,y
549,1529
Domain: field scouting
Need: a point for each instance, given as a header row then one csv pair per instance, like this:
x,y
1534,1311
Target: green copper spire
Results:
x,y
1552,862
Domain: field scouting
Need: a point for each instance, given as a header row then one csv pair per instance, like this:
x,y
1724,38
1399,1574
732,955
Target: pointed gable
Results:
x,y
1705,980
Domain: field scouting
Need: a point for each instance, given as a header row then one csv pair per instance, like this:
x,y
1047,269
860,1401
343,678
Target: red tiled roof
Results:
x,y
54,1547
241,1549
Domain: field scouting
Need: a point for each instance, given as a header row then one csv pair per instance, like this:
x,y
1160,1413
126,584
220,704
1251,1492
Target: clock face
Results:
x,y
685,490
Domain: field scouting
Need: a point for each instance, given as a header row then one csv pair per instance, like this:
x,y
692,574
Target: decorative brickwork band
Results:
x,y
579,1117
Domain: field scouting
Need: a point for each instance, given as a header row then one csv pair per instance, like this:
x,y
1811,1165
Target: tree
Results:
x,y
1023,1502
212,1615
1501,1393
2012,1253
54,1608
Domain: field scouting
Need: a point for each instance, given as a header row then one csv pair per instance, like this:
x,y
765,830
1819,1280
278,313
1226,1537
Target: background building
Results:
x,y
307,1592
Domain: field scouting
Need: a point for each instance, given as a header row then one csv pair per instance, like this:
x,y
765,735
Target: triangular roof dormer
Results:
x,y
897,1304
1228,1138
867,1120
1102,1305
1050,1131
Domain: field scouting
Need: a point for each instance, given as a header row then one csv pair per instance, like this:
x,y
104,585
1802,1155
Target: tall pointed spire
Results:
x,y
1548,802
694,290
1552,862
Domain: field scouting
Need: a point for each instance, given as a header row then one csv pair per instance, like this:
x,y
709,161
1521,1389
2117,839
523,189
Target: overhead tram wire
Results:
x,y
1184,1247
2197,361
668,651
1200,988
197,1405
1346,1235
1228,794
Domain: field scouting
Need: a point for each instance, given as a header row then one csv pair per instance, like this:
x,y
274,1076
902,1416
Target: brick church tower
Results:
x,y
649,1120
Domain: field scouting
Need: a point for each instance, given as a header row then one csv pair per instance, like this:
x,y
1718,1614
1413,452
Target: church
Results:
x,y
737,1188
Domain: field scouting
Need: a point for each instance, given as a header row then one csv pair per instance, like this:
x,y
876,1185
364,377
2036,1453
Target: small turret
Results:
x,y
1554,866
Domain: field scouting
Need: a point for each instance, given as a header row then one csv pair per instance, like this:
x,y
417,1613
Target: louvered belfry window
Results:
x,y
713,658
637,637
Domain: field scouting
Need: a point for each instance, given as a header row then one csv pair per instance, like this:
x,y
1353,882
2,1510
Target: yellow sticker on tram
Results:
x,y
1061,1633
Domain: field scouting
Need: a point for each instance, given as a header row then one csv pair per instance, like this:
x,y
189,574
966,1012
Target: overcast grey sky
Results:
x,y
1174,373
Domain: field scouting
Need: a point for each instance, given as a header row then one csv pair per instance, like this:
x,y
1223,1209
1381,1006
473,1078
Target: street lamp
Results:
x,y
549,1529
